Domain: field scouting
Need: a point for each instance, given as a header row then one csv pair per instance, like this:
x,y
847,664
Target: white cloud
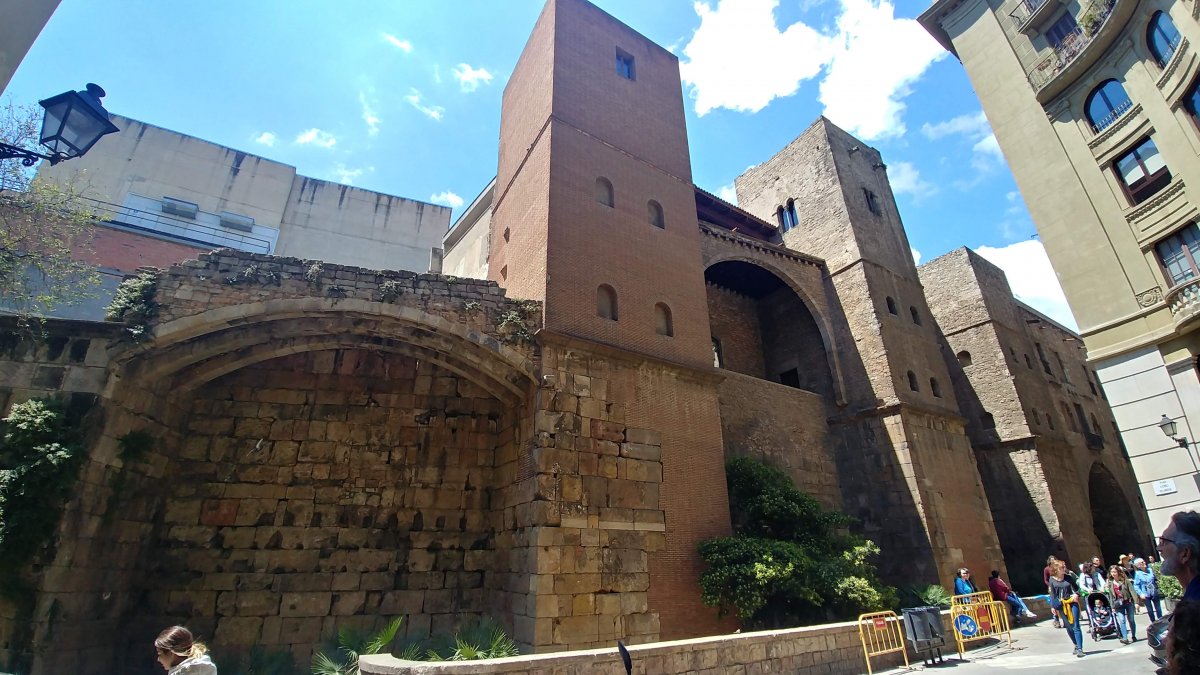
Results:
x,y
316,137
1032,278
916,255
739,59
728,193
974,127
448,198
266,138
342,174
876,60
403,45
470,78
433,112
906,179
369,115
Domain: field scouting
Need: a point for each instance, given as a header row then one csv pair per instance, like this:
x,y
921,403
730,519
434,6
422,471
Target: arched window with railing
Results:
x,y
1106,103
1162,37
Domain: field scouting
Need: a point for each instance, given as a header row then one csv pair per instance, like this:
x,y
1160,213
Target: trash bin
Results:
x,y
923,626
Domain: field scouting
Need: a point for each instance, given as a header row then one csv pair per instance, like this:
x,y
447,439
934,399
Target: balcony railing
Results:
x,y
1024,11
1072,44
188,231
1184,301
1106,121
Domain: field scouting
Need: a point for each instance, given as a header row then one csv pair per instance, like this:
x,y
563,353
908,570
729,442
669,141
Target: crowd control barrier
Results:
x,y
880,634
977,621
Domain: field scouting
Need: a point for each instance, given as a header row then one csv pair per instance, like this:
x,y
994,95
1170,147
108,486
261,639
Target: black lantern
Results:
x,y
1168,426
74,121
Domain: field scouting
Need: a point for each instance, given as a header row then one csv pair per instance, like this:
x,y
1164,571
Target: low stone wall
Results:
x,y
828,649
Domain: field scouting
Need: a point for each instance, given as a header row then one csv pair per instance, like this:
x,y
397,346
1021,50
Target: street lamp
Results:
x,y
1169,427
74,121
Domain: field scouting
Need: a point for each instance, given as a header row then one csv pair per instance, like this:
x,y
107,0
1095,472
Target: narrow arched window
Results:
x,y
987,421
1162,37
1096,427
1035,416
662,320
912,381
606,302
964,358
1106,103
916,317
718,354
781,219
935,387
654,213
604,192
891,305
791,214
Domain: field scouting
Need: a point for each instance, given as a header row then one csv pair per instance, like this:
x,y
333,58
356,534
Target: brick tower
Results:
x,y
919,493
595,215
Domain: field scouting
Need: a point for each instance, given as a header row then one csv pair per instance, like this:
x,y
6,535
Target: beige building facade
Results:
x,y
1095,108
22,21
150,182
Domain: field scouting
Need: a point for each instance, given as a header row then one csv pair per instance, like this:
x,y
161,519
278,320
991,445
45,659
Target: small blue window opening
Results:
x,y
1106,104
1162,37
786,215
625,65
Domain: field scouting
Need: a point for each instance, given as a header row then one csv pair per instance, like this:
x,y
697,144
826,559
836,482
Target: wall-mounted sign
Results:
x,y
1164,487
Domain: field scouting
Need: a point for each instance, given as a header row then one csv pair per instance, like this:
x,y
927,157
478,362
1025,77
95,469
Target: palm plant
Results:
x,y
352,644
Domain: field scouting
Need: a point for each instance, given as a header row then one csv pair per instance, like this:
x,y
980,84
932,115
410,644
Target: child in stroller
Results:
x,y
1100,616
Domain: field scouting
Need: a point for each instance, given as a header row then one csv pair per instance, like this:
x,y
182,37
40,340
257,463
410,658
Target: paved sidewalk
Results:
x,y
1041,646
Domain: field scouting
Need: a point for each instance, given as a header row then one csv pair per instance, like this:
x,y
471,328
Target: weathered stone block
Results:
x,y
305,604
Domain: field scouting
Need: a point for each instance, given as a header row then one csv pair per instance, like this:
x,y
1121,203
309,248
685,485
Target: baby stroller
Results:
x,y
1101,618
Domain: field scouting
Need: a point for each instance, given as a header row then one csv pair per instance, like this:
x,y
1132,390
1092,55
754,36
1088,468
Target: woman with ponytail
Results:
x,y
180,654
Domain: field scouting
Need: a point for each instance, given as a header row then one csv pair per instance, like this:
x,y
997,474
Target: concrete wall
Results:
x,y
133,170
467,246
23,21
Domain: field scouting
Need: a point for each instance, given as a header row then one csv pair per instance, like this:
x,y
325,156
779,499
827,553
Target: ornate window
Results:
x,y
1178,254
606,302
1106,103
1142,171
1162,37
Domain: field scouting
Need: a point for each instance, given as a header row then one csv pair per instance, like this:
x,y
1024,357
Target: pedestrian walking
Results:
x,y
1120,590
1046,572
1065,598
180,654
1145,584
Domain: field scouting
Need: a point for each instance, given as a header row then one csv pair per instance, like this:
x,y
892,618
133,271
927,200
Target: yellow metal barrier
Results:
x,y
971,598
978,620
880,634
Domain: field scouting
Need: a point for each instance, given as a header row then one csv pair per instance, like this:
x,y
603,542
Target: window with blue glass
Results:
x,y
1162,37
625,65
1191,102
786,215
1178,254
1106,103
1142,171
1063,29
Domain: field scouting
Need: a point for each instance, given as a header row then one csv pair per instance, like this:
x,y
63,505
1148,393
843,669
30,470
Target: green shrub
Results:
x,y
353,644
134,304
475,640
790,561
926,596
41,452
1168,586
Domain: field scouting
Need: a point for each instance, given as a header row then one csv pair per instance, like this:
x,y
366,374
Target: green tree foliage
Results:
x,y
45,229
1168,586
41,452
790,561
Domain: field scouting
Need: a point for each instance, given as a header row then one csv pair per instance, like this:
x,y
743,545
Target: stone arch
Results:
x,y
1113,520
220,340
798,291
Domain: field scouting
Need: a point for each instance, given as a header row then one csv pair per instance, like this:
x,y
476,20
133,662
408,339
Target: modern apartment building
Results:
x,y
1095,106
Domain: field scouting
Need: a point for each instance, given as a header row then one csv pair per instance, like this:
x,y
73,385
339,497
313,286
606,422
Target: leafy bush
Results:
x,y
926,596
134,304
41,452
353,644
790,561
1168,586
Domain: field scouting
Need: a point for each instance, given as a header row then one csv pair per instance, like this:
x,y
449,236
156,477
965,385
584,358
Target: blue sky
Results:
x,y
403,96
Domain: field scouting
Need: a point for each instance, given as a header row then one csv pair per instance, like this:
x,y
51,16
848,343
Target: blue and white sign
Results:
x,y
965,626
